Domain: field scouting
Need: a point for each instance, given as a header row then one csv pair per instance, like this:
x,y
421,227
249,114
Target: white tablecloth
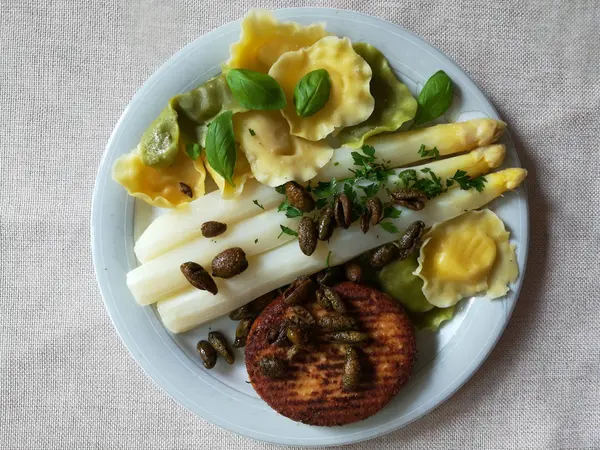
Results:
x,y
68,69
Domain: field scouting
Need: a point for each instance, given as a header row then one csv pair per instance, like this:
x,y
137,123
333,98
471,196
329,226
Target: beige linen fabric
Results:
x,y
68,69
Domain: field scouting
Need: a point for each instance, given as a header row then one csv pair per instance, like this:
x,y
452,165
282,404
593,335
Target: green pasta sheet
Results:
x,y
394,104
186,118
159,145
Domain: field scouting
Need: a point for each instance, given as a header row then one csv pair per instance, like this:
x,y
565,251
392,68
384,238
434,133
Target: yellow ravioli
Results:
x,y
160,187
276,156
467,255
241,174
264,39
350,100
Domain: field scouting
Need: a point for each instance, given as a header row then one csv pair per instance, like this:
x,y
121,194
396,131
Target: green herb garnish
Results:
x,y
466,182
255,90
256,241
337,163
289,210
325,189
389,212
221,151
370,190
328,259
432,153
286,230
389,227
280,189
258,204
193,150
431,187
312,92
321,203
252,133
435,98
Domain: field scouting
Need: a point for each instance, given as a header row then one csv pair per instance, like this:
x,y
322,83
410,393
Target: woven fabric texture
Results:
x,y
68,69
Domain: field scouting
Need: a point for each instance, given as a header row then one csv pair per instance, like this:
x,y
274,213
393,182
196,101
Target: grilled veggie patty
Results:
x,y
311,389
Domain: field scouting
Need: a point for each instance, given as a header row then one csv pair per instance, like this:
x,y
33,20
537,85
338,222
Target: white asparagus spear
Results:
x,y
161,278
402,148
282,265
183,224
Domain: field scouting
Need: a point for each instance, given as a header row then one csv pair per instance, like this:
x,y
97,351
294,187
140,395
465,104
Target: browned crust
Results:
x,y
312,391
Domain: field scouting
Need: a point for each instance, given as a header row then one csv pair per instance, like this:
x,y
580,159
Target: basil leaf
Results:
x,y
312,92
255,90
221,151
435,98
193,150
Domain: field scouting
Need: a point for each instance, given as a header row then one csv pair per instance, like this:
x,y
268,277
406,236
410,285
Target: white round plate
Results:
x,y
222,396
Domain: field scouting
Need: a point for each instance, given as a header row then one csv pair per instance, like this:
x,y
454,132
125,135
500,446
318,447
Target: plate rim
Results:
x,y
148,368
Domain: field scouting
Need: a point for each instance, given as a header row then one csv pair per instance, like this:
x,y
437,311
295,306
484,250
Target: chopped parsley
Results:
x,y
325,189
252,133
256,241
389,227
337,163
321,203
258,204
286,230
432,153
370,190
280,189
289,210
389,212
466,182
431,187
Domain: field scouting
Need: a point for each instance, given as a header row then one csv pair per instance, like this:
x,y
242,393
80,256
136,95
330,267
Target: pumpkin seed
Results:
x,y
282,340
330,276
365,221
409,198
384,255
337,322
342,211
217,340
348,337
307,236
334,299
273,334
186,190
301,316
351,374
255,307
207,353
212,228
243,312
326,224
410,239
296,335
375,207
198,277
322,300
299,291
229,263
298,197
272,367
354,272
241,332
